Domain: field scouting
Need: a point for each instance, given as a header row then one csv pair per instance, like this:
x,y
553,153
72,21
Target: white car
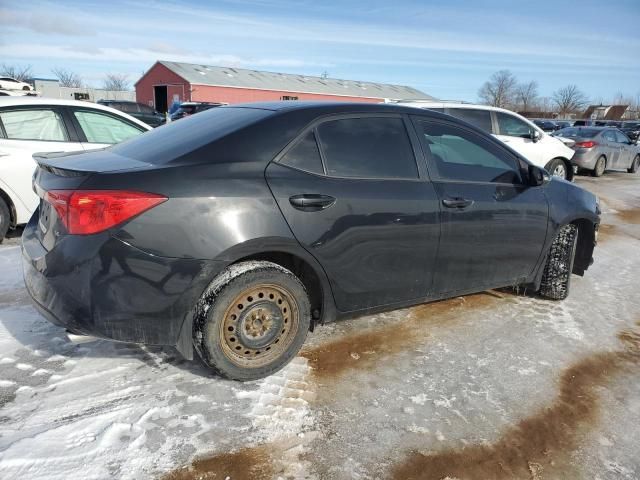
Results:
x,y
31,125
8,83
517,132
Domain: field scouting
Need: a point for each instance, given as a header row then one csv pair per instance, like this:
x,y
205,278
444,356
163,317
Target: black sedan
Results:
x,y
142,112
237,230
191,108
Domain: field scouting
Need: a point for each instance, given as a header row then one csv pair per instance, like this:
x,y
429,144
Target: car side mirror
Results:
x,y
538,176
535,135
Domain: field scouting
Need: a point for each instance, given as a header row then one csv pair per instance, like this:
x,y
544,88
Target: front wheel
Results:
x,y
558,168
251,321
634,166
557,271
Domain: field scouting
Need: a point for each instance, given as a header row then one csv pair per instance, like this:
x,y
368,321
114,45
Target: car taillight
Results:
x,y
588,144
84,212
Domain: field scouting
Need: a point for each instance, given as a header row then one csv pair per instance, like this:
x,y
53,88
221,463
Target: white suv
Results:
x,y
514,130
31,125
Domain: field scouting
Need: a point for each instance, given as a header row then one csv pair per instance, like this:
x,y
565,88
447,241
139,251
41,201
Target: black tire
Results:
x,y
557,271
251,321
601,166
634,166
558,168
5,219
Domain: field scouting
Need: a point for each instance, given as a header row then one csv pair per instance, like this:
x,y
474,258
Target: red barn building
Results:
x,y
166,82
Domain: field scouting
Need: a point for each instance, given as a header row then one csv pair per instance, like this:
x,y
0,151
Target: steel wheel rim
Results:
x,y
259,325
600,166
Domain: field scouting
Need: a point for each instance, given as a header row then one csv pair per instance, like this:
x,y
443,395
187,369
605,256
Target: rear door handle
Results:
x,y
457,202
311,202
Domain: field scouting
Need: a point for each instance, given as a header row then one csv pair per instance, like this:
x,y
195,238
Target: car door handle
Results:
x,y
457,202
311,202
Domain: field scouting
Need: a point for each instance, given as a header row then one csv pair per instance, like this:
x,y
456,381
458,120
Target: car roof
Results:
x,y
329,107
36,101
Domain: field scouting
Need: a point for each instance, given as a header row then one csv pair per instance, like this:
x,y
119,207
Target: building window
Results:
x,y
288,97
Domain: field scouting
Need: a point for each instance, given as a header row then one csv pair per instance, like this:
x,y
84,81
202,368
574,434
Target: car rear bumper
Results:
x,y
585,158
100,286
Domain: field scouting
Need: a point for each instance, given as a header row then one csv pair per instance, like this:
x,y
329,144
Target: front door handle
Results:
x,y
311,202
457,202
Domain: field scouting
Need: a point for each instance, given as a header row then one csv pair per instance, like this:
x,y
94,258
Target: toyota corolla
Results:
x,y
239,229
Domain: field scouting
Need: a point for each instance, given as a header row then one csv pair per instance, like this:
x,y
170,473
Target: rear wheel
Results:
x,y
601,165
252,320
557,271
558,168
5,219
634,166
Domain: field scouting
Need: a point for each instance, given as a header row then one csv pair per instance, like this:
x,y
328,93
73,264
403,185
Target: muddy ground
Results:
x,y
496,385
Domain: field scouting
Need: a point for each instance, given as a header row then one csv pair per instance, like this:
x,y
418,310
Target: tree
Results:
x,y
569,99
499,90
67,78
22,74
527,94
116,81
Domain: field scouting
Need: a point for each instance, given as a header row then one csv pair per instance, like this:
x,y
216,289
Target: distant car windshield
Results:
x,y
572,132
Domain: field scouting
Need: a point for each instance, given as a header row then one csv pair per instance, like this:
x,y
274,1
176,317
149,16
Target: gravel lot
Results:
x,y
494,385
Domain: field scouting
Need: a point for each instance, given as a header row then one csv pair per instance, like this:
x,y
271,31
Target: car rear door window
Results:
x,y
477,118
304,155
609,136
102,128
511,126
460,155
40,124
370,147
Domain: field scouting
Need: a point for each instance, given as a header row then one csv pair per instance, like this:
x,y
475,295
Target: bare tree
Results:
x,y
569,99
499,90
116,81
20,73
67,78
527,94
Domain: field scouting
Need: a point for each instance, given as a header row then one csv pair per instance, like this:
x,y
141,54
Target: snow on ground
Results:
x,y
383,396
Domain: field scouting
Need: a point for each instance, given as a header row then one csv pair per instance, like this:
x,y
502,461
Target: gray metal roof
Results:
x,y
243,78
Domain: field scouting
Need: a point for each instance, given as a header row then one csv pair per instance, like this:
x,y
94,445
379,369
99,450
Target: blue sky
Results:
x,y
447,48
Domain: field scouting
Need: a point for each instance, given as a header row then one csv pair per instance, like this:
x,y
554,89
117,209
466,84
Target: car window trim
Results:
x,y
481,135
81,133
59,109
341,116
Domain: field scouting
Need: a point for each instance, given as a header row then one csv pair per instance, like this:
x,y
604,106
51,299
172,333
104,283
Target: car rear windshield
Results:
x,y
578,132
164,144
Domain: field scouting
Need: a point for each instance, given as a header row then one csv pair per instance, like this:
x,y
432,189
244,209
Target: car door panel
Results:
x,y
377,242
494,236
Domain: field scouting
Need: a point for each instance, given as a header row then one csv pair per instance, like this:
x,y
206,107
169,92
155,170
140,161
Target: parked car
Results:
x,y
516,131
29,125
583,123
631,130
238,229
190,108
142,112
602,148
546,125
562,124
9,83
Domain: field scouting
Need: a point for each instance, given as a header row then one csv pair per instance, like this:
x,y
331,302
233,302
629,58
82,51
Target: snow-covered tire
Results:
x,y
251,321
5,219
600,167
557,271
634,166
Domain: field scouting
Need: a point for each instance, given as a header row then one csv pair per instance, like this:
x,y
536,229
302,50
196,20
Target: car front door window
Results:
x,y
460,155
512,127
103,128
